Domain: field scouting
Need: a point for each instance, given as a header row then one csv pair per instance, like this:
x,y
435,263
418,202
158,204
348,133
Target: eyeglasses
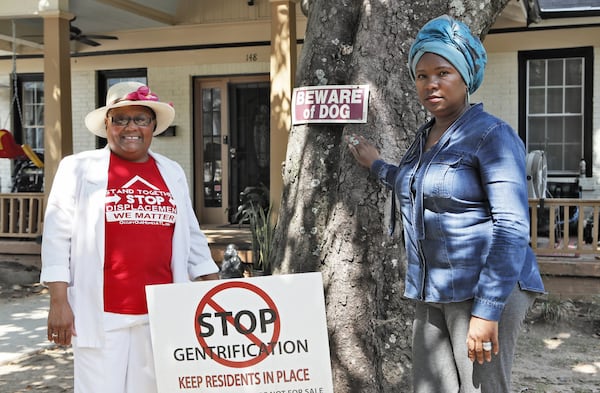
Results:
x,y
138,120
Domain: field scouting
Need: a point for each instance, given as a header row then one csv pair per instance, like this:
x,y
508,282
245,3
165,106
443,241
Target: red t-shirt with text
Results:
x,y
139,221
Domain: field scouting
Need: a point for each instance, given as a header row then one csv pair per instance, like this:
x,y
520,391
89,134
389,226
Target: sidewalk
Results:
x,y
23,326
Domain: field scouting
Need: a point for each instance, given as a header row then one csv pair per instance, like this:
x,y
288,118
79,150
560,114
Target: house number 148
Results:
x,y
251,57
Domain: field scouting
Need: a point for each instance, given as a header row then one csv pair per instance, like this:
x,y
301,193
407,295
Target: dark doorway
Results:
x,y
249,142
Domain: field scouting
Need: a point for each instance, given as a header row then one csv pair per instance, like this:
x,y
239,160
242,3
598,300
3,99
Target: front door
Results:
x,y
249,143
231,141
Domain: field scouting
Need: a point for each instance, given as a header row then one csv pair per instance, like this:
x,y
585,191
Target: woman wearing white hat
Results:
x,y
118,219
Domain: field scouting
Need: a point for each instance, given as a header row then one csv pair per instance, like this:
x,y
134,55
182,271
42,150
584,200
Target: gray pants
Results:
x,y
440,361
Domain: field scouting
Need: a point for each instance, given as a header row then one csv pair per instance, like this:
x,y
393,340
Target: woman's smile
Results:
x,y
127,139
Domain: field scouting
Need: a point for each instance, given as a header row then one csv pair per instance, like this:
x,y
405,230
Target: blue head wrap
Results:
x,y
453,41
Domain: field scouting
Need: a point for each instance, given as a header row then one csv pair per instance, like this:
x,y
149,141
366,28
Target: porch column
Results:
x,y
58,127
283,70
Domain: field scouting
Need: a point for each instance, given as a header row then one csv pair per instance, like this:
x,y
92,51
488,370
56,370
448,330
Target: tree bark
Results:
x,y
334,215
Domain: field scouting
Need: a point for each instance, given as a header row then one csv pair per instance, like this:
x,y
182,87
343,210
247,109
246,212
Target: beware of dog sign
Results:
x,y
256,335
330,104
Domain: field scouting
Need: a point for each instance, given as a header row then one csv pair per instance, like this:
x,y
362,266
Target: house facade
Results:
x,y
228,68
544,79
223,65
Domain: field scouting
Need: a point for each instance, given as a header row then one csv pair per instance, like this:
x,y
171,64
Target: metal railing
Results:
x,y
21,215
564,226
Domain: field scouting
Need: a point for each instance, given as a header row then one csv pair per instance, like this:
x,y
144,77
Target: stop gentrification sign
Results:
x,y
254,335
330,104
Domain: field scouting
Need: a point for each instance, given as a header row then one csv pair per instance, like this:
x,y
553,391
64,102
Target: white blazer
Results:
x,y
73,237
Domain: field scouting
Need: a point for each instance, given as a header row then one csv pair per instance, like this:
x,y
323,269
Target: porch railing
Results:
x,y
559,226
21,215
564,227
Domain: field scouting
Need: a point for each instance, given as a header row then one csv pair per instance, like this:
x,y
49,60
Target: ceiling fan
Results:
x,y
88,39
75,34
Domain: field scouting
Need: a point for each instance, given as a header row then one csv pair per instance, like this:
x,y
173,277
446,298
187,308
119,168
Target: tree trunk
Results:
x,y
334,215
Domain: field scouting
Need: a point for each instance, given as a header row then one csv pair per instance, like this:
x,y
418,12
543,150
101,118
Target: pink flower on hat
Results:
x,y
143,93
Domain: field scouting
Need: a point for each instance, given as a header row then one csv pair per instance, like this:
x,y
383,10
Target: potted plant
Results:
x,y
262,230
256,211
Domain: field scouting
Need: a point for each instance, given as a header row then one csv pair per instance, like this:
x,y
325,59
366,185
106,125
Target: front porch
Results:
x,y
570,264
21,224
219,236
571,278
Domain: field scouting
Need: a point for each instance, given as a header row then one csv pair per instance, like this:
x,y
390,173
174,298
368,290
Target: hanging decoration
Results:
x,y
9,148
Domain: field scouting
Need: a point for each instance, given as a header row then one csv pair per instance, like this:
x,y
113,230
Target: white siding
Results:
x,y
500,89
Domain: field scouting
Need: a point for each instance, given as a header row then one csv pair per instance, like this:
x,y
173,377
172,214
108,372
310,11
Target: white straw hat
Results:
x,y
125,94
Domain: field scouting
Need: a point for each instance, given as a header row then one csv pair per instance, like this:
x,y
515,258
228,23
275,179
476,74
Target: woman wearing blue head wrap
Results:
x,y
453,41
462,192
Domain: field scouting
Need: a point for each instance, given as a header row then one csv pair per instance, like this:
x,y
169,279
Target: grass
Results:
x,y
554,310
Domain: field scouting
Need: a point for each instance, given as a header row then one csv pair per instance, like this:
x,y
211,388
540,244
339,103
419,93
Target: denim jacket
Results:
x,y
465,214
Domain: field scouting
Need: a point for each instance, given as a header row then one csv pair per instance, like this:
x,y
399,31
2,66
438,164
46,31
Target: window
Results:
x,y
211,139
28,123
555,110
29,111
108,78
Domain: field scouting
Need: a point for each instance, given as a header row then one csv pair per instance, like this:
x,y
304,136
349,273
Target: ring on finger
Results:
x,y
486,345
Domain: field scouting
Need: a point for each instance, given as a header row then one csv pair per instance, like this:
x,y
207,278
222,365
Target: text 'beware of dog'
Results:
x,y
330,104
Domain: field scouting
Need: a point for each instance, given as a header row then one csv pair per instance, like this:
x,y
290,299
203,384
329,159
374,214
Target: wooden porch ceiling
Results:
x,y
102,17
92,17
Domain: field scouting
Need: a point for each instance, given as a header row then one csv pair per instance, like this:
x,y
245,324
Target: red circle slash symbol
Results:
x,y
262,348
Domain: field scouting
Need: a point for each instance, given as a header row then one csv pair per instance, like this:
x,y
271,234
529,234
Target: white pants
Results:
x,y
124,365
